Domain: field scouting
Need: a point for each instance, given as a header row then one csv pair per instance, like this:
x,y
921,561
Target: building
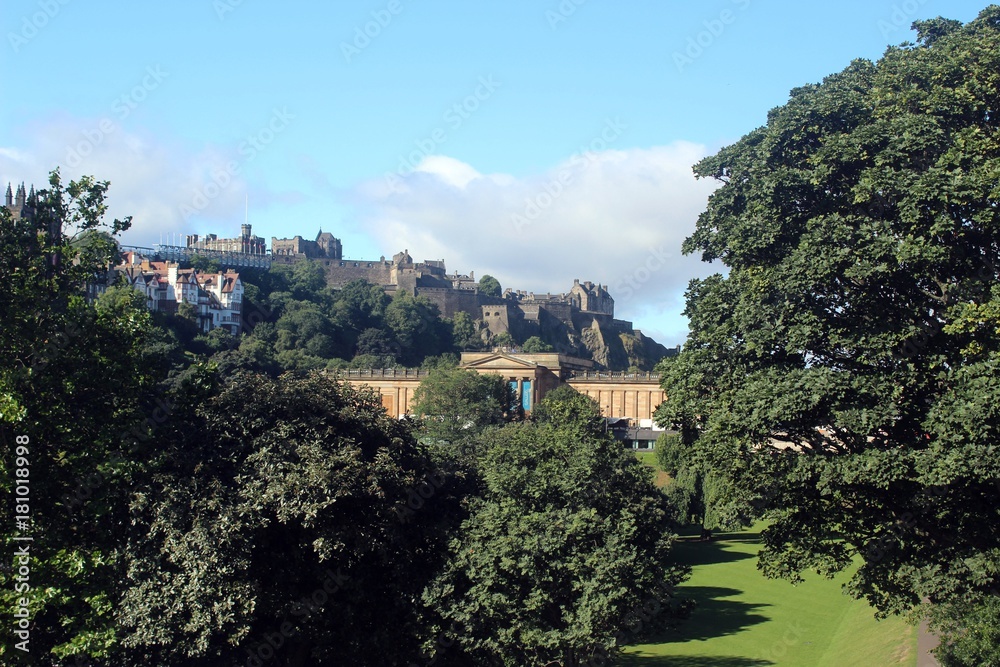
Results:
x,y
217,297
627,400
326,246
245,243
20,204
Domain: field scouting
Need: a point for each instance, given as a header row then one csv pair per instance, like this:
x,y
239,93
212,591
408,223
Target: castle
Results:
x,y
522,314
245,243
21,204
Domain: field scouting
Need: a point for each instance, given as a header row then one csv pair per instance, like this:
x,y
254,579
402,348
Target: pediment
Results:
x,y
499,361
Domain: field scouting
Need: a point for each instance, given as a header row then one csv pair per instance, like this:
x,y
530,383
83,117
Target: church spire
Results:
x,y
10,197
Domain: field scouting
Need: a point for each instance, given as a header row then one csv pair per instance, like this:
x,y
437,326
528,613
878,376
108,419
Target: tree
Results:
x,y
490,286
456,404
77,404
842,375
418,330
377,341
464,332
565,407
204,264
359,305
535,344
308,280
293,530
570,540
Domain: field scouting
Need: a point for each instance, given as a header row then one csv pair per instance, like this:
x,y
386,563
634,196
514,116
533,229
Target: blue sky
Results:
x,y
536,141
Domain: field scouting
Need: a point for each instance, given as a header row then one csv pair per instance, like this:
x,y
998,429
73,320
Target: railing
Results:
x,y
351,373
615,376
186,253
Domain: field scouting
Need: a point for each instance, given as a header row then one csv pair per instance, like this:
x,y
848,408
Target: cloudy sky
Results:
x,y
538,141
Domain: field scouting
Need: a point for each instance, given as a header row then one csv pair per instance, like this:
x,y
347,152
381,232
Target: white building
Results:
x,y
217,297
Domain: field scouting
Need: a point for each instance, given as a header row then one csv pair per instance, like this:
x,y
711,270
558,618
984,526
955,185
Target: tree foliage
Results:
x,y
490,286
570,540
457,404
281,522
77,382
843,374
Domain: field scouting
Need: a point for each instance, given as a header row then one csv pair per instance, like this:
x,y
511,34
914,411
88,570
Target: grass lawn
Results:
x,y
648,457
743,619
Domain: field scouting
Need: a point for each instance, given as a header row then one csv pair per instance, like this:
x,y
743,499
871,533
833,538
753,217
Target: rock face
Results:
x,y
610,347
616,351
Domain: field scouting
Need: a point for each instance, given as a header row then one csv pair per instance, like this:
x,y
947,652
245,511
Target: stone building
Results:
x,y
21,204
630,399
245,243
326,246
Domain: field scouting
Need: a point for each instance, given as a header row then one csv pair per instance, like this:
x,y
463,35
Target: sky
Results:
x,y
537,141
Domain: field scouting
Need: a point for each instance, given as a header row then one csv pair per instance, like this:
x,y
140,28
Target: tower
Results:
x,y
10,197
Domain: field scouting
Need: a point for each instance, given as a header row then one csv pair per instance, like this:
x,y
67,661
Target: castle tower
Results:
x,y
245,231
10,197
20,196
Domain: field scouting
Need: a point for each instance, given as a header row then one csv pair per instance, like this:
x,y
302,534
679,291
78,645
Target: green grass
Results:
x,y
744,619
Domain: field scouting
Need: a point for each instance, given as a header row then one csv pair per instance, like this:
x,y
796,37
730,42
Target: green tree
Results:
x,y
415,323
286,520
490,286
570,539
308,280
565,407
204,264
464,332
503,339
360,305
77,392
457,404
535,344
842,375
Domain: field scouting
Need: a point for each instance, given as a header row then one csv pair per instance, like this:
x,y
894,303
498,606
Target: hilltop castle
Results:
x,y
522,314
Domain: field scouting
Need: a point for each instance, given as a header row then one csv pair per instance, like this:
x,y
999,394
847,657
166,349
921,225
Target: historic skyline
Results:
x,y
531,141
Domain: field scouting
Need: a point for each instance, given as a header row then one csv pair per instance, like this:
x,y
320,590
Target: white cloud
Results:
x,y
615,217
168,189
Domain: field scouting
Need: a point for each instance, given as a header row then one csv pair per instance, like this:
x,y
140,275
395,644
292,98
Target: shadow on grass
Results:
x,y
715,616
708,553
640,660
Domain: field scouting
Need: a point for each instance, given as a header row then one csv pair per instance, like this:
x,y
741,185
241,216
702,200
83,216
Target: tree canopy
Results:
x,y
490,286
564,560
842,375
457,404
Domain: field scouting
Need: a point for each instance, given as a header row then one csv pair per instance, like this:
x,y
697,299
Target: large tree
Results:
x,y
842,376
565,558
77,405
288,521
